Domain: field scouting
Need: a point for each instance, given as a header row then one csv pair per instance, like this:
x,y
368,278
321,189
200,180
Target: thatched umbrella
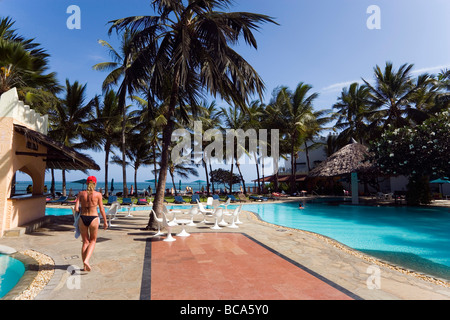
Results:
x,y
351,159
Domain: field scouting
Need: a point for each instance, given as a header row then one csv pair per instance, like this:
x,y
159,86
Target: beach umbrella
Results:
x,y
81,181
112,185
441,181
199,182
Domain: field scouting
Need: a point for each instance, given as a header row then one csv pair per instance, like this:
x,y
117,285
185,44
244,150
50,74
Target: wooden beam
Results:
x,y
31,154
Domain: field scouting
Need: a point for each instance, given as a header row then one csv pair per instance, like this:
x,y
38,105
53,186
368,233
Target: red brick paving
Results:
x,y
230,266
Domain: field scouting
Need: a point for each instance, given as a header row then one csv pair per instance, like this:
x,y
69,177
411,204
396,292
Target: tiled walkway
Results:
x,y
230,266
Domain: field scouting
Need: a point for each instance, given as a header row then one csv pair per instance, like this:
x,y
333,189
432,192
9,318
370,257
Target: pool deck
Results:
x,y
258,261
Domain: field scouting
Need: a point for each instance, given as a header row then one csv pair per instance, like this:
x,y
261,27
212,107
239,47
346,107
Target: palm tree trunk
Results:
x,y
207,178
107,148
257,174
231,178
173,183
135,179
242,178
292,169
307,157
124,120
64,182
164,165
154,166
210,170
52,187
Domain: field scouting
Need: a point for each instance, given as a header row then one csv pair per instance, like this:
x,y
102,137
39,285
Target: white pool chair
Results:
x,y
217,216
209,201
237,216
111,213
226,204
129,209
168,226
203,211
159,223
192,212
172,222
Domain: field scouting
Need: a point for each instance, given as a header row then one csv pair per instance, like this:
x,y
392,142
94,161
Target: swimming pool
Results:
x,y
416,238
50,211
11,270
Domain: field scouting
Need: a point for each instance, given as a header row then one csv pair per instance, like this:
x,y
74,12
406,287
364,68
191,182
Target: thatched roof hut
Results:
x,y
351,158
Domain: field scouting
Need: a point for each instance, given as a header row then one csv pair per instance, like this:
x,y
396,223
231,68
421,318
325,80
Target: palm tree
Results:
x,y
209,115
234,119
121,76
296,116
71,119
186,50
105,131
392,92
353,109
138,152
254,120
24,65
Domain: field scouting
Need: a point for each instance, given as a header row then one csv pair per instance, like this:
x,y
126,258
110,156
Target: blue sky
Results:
x,y
324,43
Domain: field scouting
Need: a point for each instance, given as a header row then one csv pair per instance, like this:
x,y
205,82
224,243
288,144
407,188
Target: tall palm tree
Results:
x,y
71,119
24,65
353,110
392,92
254,120
105,131
234,119
186,50
209,116
120,76
296,117
138,152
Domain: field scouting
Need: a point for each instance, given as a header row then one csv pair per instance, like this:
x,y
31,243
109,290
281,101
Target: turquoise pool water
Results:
x,y
416,238
49,211
11,270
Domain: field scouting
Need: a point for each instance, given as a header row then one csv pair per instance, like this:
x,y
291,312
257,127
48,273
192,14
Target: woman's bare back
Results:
x,y
89,202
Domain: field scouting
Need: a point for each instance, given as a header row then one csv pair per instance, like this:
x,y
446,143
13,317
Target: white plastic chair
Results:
x,y
204,211
159,223
192,213
129,209
209,201
237,216
111,213
217,216
234,217
226,204
168,226
173,222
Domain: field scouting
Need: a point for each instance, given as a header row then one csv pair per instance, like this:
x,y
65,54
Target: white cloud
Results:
x,y
436,69
338,86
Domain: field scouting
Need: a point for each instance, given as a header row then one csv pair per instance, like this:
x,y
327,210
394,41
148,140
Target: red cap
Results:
x,y
91,179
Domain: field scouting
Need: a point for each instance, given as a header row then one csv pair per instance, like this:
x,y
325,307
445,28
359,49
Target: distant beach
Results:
x,y
21,186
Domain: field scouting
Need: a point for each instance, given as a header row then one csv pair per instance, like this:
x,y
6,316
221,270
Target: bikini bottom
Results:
x,y
87,220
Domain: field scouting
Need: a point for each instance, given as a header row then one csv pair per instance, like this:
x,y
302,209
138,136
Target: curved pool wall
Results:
x,y
415,238
11,271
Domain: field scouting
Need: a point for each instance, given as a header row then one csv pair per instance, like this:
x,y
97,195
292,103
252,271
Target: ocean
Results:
x,y
21,186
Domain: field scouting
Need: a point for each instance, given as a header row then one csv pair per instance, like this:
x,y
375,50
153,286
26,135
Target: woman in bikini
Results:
x,y
88,201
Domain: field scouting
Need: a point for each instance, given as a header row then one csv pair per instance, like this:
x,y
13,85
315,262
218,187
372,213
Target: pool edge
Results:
x,y
31,271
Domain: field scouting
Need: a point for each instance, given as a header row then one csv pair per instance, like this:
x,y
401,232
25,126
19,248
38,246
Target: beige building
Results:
x,y
25,147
